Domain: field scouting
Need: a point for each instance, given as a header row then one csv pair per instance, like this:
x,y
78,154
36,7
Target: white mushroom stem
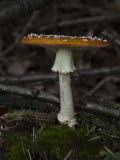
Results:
x,y
64,65
66,115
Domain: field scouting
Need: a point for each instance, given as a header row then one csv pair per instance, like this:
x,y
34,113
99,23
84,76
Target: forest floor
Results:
x,y
35,134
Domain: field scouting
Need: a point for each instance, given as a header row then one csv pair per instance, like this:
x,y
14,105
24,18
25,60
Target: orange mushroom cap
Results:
x,y
57,41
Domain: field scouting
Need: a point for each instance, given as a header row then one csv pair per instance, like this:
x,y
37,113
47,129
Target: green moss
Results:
x,y
14,148
54,142
57,141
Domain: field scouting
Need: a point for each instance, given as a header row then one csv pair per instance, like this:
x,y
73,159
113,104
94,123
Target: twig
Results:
x,y
91,73
14,9
84,21
91,131
19,36
91,104
33,116
112,37
68,155
29,79
16,119
33,93
23,149
101,83
111,136
89,8
30,157
97,72
98,106
111,153
26,103
55,20
1,43
94,138
33,135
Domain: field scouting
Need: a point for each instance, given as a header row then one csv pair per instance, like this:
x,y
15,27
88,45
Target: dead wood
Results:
x,y
97,105
19,102
14,9
51,77
26,92
90,104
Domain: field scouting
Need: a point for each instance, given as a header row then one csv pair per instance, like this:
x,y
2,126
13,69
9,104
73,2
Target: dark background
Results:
x,y
69,17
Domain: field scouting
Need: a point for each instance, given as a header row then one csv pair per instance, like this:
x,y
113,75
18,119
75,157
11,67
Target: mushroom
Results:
x,y
64,47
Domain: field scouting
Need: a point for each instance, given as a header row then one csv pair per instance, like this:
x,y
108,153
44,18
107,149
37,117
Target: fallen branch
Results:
x,y
88,8
80,74
26,103
100,84
103,107
14,9
92,105
112,36
29,79
19,36
32,93
87,21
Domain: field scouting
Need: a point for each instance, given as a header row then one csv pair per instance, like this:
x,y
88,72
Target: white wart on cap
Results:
x,y
66,42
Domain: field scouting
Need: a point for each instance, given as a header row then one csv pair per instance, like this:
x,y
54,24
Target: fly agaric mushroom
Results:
x,y
64,46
